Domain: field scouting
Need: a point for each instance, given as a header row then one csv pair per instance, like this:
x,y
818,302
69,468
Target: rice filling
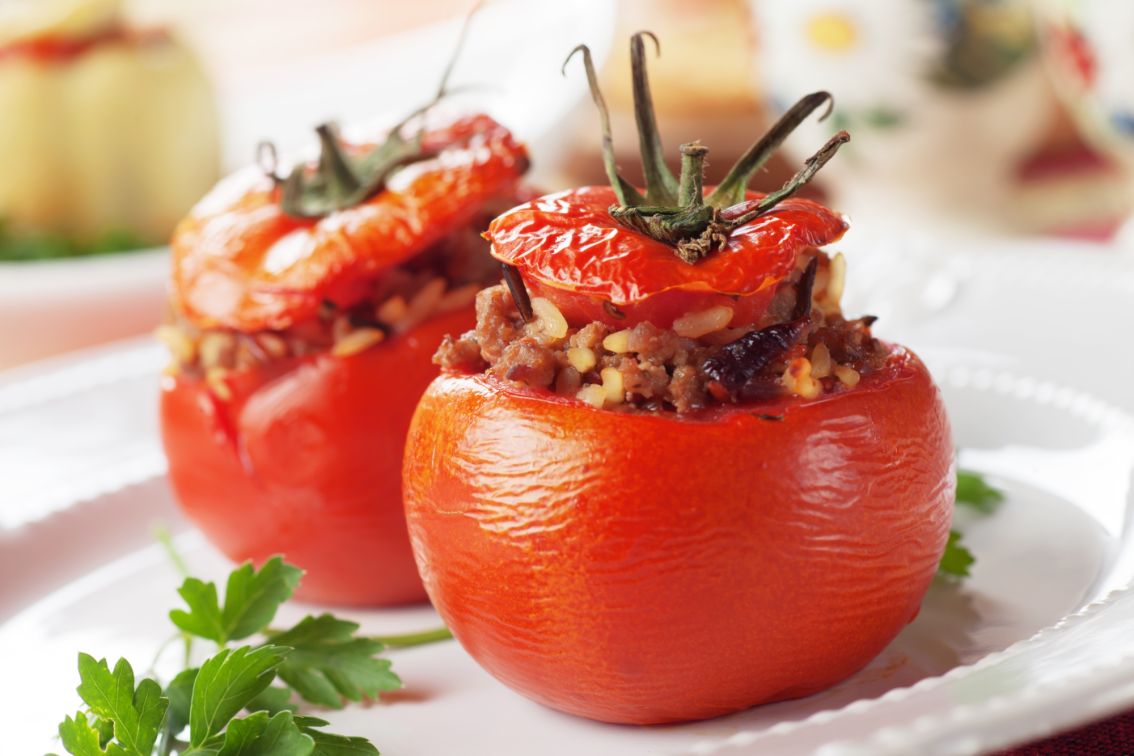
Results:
x,y
680,368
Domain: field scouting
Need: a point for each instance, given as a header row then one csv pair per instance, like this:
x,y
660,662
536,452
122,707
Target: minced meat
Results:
x,y
651,368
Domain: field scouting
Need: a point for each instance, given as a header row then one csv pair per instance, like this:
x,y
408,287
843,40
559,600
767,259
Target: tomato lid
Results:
x,y
570,241
241,261
625,245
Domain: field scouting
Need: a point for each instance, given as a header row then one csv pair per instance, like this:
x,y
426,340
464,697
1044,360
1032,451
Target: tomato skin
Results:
x,y
305,461
568,246
240,262
643,568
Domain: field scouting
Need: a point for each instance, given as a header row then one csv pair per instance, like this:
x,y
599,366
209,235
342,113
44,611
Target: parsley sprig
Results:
x,y
242,701
973,492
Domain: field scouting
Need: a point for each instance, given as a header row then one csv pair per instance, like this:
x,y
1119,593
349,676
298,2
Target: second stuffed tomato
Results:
x,y
304,316
665,478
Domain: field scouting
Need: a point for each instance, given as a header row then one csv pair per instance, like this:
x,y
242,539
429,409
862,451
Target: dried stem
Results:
x,y
341,180
519,292
732,188
625,192
268,160
800,179
690,191
661,186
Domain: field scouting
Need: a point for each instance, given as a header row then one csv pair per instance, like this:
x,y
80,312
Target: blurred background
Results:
x,y
969,117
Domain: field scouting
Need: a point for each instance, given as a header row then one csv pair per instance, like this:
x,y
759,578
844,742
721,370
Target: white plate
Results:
x,y
47,306
1025,340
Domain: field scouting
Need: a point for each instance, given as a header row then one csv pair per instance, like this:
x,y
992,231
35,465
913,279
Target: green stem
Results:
x,y
800,179
690,192
165,538
340,180
732,188
268,161
661,186
623,190
333,166
409,640
441,89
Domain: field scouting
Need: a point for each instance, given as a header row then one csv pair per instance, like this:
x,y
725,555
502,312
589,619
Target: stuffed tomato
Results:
x,y
304,314
665,478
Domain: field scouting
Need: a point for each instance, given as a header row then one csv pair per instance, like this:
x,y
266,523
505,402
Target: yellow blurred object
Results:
x,y
832,31
105,129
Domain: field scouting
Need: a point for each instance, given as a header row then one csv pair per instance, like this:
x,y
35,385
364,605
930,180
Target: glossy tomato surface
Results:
x,y
305,460
569,249
240,262
639,567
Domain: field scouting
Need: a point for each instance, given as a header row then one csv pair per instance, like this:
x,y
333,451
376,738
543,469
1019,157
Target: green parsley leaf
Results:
x,y
975,492
259,735
957,558
82,737
180,694
137,714
328,663
273,700
250,601
226,683
329,744
321,659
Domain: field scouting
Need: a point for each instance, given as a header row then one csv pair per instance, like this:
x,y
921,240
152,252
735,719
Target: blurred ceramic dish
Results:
x,y
1037,640
942,99
1087,47
132,141
53,306
1087,44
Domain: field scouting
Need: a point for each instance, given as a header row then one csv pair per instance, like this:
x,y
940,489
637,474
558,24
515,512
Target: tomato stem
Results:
x,y
690,190
409,640
732,188
268,161
519,292
675,211
800,179
661,186
625,192
342,179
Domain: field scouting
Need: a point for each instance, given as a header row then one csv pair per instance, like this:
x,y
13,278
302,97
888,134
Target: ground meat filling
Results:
x,y
698,363
443,278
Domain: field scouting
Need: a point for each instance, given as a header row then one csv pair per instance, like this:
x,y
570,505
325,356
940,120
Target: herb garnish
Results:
x,y
973,492
241,701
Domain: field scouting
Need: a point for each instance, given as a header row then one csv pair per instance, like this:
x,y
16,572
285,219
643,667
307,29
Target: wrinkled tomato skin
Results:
x,y
635,567
569,249
305,460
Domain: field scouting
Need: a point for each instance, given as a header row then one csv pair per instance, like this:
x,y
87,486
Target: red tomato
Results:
x,y
641,567
240,262
305,460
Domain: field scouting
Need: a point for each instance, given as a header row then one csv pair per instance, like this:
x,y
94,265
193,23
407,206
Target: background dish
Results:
x,y
509,68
